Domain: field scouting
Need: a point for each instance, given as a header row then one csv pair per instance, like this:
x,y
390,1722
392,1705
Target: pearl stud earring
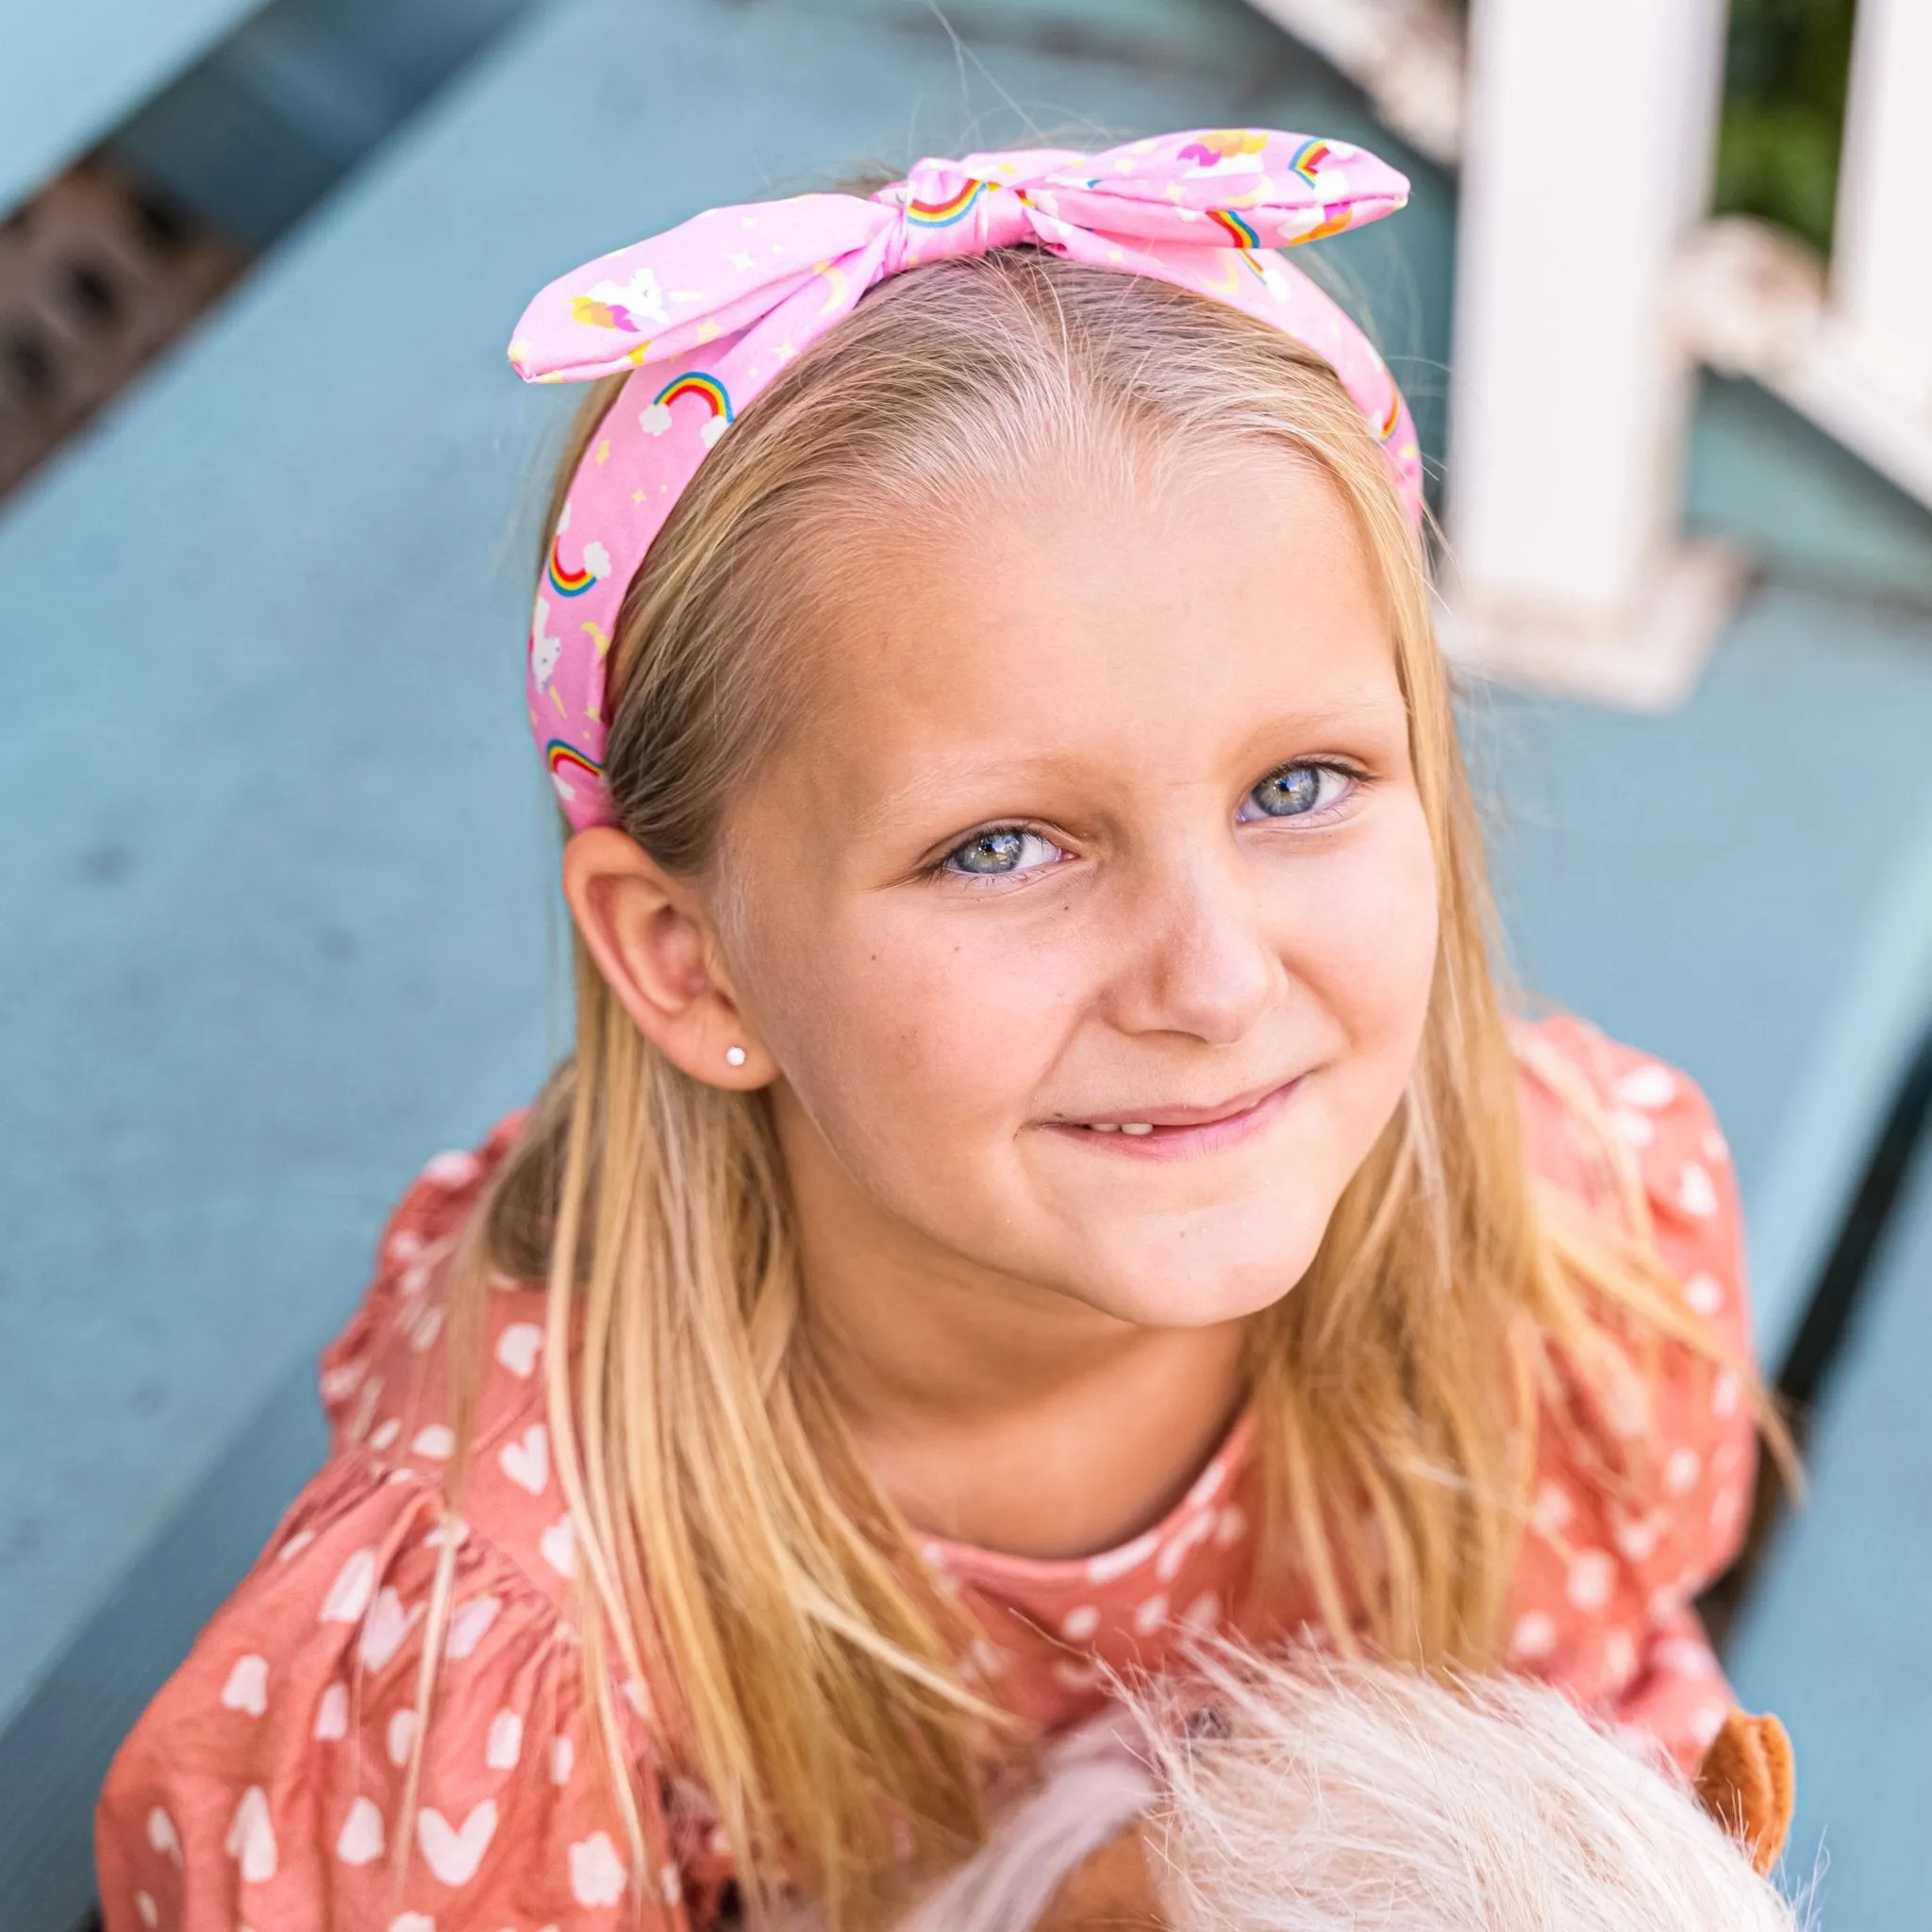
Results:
x,y
734,1056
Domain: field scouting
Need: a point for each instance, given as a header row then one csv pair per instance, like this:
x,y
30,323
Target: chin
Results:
x,y
1191,1277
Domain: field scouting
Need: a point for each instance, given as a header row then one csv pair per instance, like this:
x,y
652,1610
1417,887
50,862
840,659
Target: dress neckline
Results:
x,y
970,1563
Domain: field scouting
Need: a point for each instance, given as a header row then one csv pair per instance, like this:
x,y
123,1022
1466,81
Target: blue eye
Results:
x,y
1003,851
1295,791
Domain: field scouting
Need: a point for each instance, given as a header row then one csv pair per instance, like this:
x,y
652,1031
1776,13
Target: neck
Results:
x,y
992,1411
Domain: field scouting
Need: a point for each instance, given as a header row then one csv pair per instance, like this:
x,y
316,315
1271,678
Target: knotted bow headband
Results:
x,y
707,314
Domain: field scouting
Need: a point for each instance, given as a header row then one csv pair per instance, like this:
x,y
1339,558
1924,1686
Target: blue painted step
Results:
x,y
72,72
1836,1638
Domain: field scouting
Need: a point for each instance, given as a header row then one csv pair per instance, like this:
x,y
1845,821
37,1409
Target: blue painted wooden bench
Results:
x,y
1835,1638
72,72
292,866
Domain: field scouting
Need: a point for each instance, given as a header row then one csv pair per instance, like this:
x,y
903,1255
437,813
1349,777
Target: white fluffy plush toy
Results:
x,y
1319,1796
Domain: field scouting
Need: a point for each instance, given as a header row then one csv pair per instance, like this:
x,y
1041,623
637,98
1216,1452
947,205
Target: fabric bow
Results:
x,y
705,315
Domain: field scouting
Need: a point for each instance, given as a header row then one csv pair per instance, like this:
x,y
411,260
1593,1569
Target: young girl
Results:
x,y
1043,1174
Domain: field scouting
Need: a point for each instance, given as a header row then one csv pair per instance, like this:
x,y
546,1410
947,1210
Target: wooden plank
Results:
x,y
1835,1640
71,72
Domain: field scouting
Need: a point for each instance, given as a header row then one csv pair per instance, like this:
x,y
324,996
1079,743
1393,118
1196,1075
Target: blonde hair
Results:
x,y
732,1551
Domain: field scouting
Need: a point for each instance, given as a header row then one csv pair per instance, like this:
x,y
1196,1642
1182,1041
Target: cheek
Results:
x,y
900,1018
1370,953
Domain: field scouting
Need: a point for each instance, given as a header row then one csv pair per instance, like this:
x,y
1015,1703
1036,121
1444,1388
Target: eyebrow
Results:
x,y
936,775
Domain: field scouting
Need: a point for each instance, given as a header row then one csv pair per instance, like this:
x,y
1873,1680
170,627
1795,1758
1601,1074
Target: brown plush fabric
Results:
x,y
1748,1783
1112,1889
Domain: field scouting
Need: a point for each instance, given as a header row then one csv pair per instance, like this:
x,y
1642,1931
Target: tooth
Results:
x,y
1137,1126
1104,1127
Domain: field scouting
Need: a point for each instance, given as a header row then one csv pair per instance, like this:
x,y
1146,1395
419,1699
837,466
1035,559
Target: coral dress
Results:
x,y
263,1785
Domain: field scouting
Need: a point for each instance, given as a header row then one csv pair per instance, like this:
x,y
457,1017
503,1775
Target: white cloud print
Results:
x,y
597,560
657,419
640,297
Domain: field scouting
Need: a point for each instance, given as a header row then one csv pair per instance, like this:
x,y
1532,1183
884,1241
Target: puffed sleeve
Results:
x,y
264,1785
384,1361
1644,1489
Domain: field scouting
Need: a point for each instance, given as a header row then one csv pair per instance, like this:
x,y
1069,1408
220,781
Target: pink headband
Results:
x,y
705,315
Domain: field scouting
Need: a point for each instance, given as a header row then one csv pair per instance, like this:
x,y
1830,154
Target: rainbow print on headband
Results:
x,y
564,758
717,397
1394,415
568,583
1241,232
943,214
1308,159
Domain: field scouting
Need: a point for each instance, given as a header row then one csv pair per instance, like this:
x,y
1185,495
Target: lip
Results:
x,y
1180,1131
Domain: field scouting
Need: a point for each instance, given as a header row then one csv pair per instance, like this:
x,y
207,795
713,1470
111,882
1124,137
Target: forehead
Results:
x,y
1157,618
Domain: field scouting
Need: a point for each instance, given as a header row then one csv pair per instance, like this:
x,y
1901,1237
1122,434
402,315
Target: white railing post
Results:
x,y
1881,259
1847,343
1588,134
1586,129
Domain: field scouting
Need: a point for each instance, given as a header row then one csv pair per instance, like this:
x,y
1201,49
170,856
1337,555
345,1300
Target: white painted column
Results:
x,y
1590,129
1881,262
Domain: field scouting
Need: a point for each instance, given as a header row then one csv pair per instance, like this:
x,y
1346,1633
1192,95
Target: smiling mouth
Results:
x,y
1181,1129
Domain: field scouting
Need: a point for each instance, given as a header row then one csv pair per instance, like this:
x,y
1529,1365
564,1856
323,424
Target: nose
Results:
x,y
1197,955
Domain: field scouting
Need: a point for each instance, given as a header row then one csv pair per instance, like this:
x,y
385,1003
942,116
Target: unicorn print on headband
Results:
x,y
705,315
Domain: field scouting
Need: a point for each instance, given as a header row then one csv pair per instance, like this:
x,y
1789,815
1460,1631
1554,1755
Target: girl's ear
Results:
x,y
654,942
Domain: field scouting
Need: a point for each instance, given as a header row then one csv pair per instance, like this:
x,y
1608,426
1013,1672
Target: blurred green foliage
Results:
x,y
1784,71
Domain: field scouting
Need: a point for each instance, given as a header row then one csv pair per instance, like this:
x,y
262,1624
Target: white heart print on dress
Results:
x,y
251,1841
454,1855
247,1685
162,1835
348,1595
361,1839
332,1714
597,1874
527,1462
1696,1191
1650,1086
385,1627
504,1744
518,1347
559,1545
471,1625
